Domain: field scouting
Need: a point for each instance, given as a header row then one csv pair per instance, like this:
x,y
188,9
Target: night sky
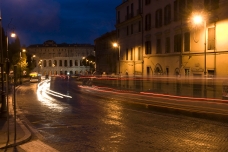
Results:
x,y
64,21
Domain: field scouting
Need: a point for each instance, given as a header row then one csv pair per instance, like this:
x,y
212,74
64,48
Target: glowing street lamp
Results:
x,y
199,20
23,50
117,45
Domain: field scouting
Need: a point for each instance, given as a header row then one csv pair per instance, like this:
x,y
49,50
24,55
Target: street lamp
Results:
x,y
117,45
199,20
23,50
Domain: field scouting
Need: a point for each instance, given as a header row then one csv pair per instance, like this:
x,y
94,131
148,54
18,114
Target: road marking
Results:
x,y
38,146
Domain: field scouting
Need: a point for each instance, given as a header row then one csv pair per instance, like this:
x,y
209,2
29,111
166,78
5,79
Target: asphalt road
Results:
x,y
93,120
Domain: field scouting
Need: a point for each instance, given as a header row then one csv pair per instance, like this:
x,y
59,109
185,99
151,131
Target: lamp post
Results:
x,y
23,50
199,20
117,45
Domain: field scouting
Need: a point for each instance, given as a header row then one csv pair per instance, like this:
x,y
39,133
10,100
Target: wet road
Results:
x,y
90,120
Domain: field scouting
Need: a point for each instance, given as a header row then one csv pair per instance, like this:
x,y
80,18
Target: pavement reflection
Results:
x,y
44,95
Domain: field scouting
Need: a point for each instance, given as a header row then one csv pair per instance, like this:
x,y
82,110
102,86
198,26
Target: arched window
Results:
x,y
76,63
158,69
55,63
45,63
49,63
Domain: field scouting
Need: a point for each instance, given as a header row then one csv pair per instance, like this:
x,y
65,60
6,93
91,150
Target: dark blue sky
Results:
x,y
70,21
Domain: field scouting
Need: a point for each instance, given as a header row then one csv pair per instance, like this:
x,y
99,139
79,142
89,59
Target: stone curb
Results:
x,y
27,136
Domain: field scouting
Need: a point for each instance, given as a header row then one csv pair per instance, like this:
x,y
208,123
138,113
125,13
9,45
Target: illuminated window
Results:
x,y
211,39
55,62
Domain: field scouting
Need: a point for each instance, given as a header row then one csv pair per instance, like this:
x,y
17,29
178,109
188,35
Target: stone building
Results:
x,y
50,58
163,38
106,54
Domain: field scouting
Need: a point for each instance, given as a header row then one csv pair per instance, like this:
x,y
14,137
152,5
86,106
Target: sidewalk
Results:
x,y
22,133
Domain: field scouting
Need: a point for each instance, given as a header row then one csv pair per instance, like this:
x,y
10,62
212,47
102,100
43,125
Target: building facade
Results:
x,y
164,38
50,58
106,54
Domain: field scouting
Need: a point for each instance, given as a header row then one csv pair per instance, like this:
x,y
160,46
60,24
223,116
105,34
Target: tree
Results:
x,y
17,57
89,61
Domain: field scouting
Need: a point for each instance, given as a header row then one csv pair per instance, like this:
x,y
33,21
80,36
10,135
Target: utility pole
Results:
x,y
3,107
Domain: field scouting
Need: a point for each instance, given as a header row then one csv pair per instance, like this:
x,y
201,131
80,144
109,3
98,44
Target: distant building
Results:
x,y
58,59
161,37
106,54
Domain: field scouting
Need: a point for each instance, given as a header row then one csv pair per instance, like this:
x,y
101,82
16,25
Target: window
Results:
x,y
45,63
187,72
139,6
147,2
127,16
139,53
49,63
187,42
139,26
118,17
132,29
167,45
158,18
126,54
81,63
148,47
167,71
211,39
148,71
211,73
65,63
177,43
71,64
158,46
34,62
132,10
148,22
55,63
211,4
167,14
76,63
182,7
60,63
131,58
